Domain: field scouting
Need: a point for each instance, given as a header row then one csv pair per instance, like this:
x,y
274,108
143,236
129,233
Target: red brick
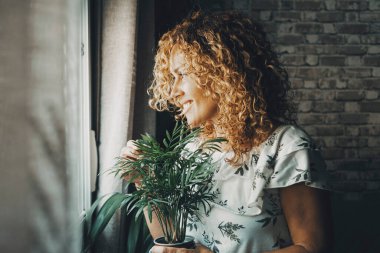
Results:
x,y
369,130
352,39
369,153
330,16
328,107
371,94
374,28
296,83
310,118
351,107
293,60
331,119
353,164
313,73
265,5
310,49
372,61
311,60
352,5
331,39
357,72
352,50
350,186
373,185
375,164
353,28
373,83
265,15
374,141
327,83
352,17
308,5
270,28
351,142
353,118
287,16
373,16
287,5
333,153
354,61
374,5
374,118
291,71
308,16
373,50
329,130
290,39
349,95
332,60
357,175
370,107
308,28
370,38
351,131
305,106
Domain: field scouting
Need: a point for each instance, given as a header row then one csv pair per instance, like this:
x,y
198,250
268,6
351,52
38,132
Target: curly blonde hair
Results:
x,y
238,68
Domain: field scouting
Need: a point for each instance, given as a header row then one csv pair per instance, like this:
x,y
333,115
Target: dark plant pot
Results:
x,y
188,243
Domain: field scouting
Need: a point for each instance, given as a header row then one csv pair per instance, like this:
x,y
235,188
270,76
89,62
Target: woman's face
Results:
x,y
196,107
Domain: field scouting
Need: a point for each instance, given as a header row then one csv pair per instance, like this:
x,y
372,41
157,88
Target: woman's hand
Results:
x,y
198,249
131,152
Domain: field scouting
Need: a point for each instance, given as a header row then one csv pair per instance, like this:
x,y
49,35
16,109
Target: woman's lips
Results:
x,y
186,106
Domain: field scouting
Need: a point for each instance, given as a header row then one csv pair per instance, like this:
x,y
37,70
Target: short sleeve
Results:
x,y
299,160
305,165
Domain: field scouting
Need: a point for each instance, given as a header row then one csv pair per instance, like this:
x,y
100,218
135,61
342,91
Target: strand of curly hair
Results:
x,y
230,53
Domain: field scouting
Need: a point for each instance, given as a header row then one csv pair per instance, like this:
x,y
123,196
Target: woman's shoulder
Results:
x,y
288,133
285,139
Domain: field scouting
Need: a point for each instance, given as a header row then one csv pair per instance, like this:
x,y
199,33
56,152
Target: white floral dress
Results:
x,y
247,215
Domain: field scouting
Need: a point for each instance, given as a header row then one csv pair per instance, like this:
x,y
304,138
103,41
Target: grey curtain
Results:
x,y
39,83
118,82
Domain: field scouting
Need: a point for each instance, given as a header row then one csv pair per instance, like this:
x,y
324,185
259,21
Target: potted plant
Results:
x,y
175,179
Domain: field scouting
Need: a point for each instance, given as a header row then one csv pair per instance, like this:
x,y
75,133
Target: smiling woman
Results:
x,y
187,93
218,72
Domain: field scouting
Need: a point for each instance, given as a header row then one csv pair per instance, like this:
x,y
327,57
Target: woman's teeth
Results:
x,y
185,107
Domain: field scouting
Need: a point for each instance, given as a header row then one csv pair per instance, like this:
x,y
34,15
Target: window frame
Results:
x,y
84,175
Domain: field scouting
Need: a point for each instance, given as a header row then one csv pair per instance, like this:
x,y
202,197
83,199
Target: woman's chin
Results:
x,y
192,123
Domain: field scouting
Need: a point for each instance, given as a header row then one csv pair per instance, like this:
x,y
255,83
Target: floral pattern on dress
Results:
x,y
246,216
228,230
210,242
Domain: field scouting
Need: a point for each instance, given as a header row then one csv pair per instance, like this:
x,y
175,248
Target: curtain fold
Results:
x,y
39,83
118,67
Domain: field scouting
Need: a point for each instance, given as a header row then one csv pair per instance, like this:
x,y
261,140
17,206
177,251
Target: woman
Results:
x,y
218,71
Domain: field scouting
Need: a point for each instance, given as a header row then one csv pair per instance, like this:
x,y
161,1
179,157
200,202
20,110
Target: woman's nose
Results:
x,y
176,90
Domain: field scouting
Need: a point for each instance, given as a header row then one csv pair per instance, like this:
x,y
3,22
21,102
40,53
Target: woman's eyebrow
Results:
x,y
178,69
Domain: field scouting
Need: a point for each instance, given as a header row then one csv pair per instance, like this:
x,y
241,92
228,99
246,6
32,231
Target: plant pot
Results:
x,y
188,243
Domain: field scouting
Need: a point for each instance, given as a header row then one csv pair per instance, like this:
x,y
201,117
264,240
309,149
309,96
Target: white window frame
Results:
x,y
84,171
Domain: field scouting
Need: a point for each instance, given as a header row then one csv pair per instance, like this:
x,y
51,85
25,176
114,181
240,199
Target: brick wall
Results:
x,y
332,52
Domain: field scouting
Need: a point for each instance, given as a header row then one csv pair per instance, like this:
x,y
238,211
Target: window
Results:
x,y
84,171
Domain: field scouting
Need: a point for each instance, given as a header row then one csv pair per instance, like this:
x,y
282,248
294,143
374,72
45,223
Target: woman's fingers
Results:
x,y
161,249
130,150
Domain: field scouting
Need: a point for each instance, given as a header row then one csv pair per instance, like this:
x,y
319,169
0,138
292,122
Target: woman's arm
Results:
x,y
154,226
308,214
